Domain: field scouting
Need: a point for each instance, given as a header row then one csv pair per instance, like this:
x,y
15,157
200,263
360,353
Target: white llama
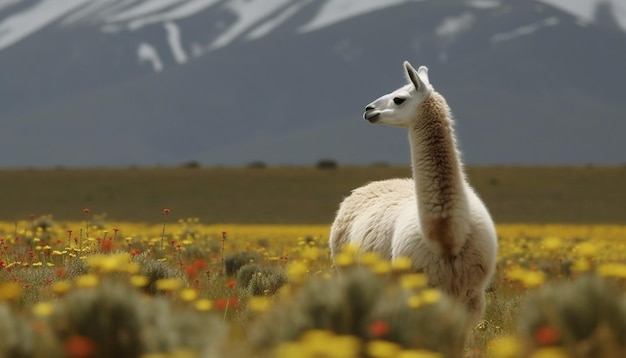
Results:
x,y
436,219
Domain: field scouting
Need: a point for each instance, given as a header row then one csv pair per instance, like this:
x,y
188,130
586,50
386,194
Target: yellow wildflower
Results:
x,y
418,353
430,296
414,301
86,281
612,270
43,309
10,290
290,350
61,287
344,259
259,304
551,243
402,263
297,271
203,304
382,349
533,278
168,284
504,347
369,258
550,352
343,346
413,281
188,294
582,265
586,249
138,280
382,267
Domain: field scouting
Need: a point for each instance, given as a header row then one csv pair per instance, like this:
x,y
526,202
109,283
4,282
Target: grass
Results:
x,y
148,282
299,195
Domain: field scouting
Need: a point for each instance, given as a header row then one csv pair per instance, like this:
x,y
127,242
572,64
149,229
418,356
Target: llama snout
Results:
x,y
371,114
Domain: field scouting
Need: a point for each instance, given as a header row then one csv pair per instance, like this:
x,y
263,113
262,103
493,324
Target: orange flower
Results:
x,y
378,328
547,336
79,346
222,303
230,283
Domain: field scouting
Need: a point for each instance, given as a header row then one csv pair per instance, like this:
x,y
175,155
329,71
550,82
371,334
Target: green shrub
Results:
x,y
258,280
586,316
232,263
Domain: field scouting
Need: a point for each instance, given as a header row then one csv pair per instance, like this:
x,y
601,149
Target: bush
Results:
x,y
232,263
261,281
586,316
326,164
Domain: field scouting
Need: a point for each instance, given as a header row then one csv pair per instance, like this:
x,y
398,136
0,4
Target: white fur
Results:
x,y
436,219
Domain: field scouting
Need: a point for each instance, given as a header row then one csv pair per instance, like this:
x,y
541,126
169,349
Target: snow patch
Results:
x,y
484,4
143,9
585,10
147,53
524,30
7,3
334,11
249,12
95,12
269,25
452,26
16,27
185,9
175,42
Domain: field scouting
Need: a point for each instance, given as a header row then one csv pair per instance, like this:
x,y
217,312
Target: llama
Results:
x,y
436,219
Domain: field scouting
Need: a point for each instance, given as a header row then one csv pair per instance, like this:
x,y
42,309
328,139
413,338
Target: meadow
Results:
x,y
223,262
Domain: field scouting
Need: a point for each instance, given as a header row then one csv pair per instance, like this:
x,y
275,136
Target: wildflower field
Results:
x,y
177,287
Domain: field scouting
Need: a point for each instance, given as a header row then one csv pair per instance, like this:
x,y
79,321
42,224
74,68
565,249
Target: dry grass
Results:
x,y
299,195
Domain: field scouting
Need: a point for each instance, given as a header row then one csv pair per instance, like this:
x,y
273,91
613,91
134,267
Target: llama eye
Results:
x,y
398,100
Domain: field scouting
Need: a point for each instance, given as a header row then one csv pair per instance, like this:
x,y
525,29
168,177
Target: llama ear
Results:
x,y
419,77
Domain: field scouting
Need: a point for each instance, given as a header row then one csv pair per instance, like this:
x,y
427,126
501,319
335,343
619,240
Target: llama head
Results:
x,y
399,107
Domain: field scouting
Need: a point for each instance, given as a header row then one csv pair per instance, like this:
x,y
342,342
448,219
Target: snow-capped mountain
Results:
x,y
121,82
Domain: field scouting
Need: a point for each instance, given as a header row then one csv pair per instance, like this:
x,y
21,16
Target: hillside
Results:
x,y
154,82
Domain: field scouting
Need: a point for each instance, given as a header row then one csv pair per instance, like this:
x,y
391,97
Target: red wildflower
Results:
x,y
199,263
191,271
107,245
134,252
378,328
230,283
547,336
222,303
166,211
60,272
79,346
86,210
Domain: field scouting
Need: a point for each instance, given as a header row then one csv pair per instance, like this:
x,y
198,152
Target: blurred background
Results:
x,y
105,83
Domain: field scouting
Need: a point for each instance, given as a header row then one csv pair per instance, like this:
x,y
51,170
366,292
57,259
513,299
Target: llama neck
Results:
x,y
438,174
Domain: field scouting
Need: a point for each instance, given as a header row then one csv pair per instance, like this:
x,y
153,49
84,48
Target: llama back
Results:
x,y
367,218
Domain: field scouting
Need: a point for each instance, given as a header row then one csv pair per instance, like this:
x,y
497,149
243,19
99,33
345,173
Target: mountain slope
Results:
x,y
228,82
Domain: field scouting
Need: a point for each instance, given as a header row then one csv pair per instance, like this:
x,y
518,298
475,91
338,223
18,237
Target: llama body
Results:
x,y
436,218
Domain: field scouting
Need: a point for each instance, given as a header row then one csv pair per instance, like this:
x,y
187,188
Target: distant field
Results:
x,y
298,195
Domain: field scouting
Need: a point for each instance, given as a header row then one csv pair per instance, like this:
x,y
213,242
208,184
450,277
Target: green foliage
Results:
x,y
355,302
155,270
260,280
232,263
586,316
342,305
106,320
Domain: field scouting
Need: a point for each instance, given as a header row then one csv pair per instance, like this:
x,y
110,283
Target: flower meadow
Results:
x,y
181,288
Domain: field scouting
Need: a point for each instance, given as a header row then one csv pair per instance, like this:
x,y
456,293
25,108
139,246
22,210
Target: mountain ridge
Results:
x,y
78,96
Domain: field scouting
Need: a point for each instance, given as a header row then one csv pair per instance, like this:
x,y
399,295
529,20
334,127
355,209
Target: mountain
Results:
x,y
162,82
